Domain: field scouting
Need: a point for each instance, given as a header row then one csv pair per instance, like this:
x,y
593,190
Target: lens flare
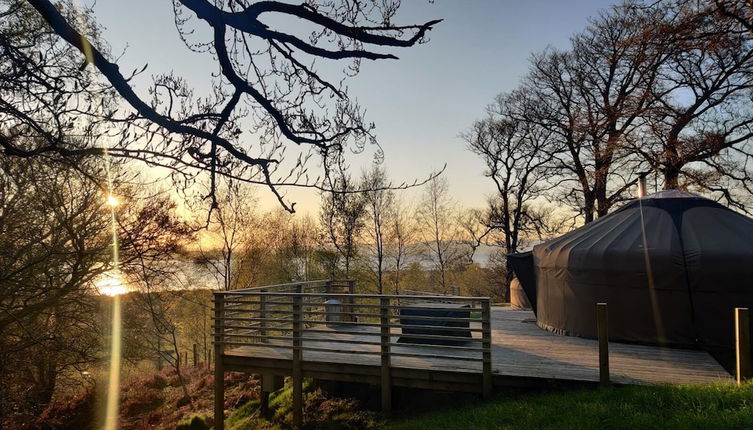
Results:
x,y
112,201
659,324
111,284
113,385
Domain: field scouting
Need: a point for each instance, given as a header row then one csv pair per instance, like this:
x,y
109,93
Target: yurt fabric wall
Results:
x,y
672,266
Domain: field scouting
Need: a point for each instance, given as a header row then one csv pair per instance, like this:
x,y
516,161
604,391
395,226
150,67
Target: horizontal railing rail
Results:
x,y
327,316
292,286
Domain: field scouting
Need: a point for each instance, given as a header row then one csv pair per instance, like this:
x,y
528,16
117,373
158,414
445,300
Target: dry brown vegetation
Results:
x,y
154,401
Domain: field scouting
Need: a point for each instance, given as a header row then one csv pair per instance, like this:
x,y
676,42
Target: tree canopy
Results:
x,y
269,113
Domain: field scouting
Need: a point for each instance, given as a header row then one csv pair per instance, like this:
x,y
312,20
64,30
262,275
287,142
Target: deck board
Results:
x,y
520,349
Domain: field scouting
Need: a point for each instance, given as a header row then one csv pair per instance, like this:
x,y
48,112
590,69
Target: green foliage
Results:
x,y
320,412
195,422
664,407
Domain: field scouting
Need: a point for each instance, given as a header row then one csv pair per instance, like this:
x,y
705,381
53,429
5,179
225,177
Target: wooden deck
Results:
x,y
522,354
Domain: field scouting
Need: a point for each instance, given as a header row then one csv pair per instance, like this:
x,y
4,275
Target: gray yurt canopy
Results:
x,y
672,266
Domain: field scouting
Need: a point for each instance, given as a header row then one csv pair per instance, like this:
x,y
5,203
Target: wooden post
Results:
x,y
195,355
386,386
348,309
486,344
602,328
297,356
742,344
219,373
263,316
267,386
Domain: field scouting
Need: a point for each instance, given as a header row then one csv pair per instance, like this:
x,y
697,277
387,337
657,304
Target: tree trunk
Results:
x,y
671,178
588,208
600,194
508,281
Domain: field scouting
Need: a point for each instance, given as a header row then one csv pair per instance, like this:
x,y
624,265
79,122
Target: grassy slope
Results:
x,y
678,407
321,412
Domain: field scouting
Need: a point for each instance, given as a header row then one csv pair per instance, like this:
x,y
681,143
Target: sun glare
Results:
x,y
112,201
111,284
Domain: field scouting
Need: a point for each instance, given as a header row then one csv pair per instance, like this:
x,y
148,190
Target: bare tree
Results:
x,y
401,231
702,122
592,98
739,10
49,104
54,243
342,217
290,247
232,233
302,248
152,235
266,89
519,160
440,232
378,201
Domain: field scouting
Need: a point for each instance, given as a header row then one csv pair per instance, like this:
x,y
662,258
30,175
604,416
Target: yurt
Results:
x,y
671,266
518,297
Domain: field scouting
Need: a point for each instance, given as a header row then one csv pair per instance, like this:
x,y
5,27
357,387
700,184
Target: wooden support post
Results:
x,y
219,373
267,387
264,404
297,356
742,344
602,328
263,316
195,355
486,344
386,386
348,309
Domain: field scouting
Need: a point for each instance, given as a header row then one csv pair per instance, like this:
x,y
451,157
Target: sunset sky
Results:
x,y
419,103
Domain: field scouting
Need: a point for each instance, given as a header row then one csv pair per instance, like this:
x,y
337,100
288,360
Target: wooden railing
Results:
x,y
308,318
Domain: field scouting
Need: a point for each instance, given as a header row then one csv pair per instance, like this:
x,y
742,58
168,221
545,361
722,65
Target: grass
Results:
x,y
321,412
664,407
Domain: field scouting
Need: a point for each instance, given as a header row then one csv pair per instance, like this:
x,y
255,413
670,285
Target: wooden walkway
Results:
x,y
522,354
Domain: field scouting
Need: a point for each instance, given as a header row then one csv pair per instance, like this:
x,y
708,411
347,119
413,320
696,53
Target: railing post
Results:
x,y
486,344
263,316
602,328
386,386
297,356
348,309
742,344
219,373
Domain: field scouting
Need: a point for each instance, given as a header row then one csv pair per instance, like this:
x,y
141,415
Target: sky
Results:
x,y
419,103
